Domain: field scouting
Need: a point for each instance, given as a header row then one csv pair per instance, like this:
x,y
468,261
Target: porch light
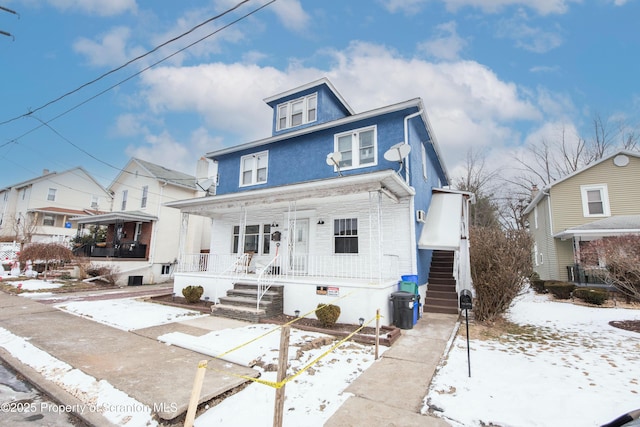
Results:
x,y
274,224
361,321
206,300
297,313
321,222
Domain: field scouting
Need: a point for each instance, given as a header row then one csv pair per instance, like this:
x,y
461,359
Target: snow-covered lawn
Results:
x,y
30,284
565,367
128,313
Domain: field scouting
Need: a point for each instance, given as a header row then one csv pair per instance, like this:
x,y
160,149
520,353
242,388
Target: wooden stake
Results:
x,y
195,394
278,413
377,332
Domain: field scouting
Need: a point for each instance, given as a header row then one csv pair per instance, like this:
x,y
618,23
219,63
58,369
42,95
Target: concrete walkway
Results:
x,y
392,390
150,372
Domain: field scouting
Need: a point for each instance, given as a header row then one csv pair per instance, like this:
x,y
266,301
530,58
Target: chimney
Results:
x,y
45,171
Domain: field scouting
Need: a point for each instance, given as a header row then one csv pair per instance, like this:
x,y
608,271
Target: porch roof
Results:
x,y
611,226
443,225
388,182
113,217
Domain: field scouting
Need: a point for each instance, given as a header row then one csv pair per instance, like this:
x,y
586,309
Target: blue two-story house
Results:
x,y
334,207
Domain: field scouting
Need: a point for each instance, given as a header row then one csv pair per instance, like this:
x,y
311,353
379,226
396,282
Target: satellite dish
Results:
x,y
397,152
205,184
333,159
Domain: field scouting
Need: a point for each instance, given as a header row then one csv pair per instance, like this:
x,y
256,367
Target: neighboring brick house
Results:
x,y
41,209
142,238
597,201
332,203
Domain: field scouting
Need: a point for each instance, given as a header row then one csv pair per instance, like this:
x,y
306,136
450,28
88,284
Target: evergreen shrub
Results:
x,y
328,314
594,296
560,290
193,293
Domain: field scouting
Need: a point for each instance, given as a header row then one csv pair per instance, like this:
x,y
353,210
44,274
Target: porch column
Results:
x,y
184,226
375,235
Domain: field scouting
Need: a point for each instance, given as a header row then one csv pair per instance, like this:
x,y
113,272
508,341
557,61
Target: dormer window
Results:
x,y
297,112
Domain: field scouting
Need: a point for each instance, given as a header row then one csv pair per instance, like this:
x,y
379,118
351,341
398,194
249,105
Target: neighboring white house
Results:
x,y
40,209
143,236
333,207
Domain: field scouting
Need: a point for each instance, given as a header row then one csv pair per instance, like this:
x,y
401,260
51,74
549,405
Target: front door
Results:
x,y
299,246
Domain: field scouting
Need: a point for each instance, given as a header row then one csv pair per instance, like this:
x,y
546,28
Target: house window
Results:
x,y
297,112
345,236
358,148
125,193
49,220
24,193
145,192
595,200
52,195
535,217
253,168
535,254
257,238
94,202
166,269
423,153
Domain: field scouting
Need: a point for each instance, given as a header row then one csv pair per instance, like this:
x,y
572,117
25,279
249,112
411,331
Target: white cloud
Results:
x,y
291,14
97,7
528,37
467,103
162,149
542,7
446,45
110,50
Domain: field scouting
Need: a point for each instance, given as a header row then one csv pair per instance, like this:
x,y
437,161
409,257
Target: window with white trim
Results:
x,y
49,220
535,217
52,195
94,201
145,193
125,193
358,148
254,168
345,236
257,239
166,269
595,200
297,112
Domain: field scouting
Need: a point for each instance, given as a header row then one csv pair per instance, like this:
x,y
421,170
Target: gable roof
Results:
x,y
319,82
547,187
160,173
50,175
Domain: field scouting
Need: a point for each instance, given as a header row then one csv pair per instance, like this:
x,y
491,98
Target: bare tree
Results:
x,y
479,181
24,227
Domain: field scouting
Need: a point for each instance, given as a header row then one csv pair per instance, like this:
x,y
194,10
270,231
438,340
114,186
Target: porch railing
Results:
x,y
578,274
331,266
265,279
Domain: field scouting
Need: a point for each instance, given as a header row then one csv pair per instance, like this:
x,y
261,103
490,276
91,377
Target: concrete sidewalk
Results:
x,y
150,372
392,390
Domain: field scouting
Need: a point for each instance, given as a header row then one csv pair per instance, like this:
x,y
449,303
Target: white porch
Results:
x,y
345,241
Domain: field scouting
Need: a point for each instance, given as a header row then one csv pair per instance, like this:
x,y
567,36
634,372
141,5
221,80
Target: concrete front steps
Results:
x,y
240,303
441,294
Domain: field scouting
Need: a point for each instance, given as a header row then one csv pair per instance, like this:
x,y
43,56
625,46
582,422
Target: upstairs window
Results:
x,y
125,193
254,168
595,200
297,112
423,155
145,193
358,148
345,236
52,195
94,202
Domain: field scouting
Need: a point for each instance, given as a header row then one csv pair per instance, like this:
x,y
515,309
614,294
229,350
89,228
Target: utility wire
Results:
x,y
46,123
126,63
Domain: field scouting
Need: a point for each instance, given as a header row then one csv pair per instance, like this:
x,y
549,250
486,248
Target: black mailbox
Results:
x,y
465,300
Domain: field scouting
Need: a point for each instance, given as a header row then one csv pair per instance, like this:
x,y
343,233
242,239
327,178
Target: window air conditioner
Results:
x,y
421,216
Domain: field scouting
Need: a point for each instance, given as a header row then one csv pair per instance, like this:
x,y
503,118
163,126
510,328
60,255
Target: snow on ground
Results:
x,y
571,368
31,284
311,398
128,313
95,395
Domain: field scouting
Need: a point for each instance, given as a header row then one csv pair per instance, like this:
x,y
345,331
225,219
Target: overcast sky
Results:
x,y
494,75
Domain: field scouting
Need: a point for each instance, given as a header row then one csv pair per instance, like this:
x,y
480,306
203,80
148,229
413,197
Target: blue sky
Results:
x,y
495,75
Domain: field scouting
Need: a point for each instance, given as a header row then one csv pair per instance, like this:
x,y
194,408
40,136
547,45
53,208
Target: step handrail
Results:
x,y
265,280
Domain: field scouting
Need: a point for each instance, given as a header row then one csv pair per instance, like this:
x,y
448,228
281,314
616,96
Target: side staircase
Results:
x,y
240,303
441,294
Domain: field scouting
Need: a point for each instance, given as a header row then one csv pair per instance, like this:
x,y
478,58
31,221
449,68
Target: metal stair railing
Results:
x,y
265,280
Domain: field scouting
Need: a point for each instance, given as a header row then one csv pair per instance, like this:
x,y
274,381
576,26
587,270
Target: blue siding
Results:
x,y
329,108
303,158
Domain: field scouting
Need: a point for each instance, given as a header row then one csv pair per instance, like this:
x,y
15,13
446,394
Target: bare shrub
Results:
x,y
500,266
45,253
620,256
105,273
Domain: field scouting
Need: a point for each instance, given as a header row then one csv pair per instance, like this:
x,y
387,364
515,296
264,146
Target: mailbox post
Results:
x,y
466,304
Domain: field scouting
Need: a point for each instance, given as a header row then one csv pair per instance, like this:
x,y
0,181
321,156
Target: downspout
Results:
x,y
154,233
412,220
